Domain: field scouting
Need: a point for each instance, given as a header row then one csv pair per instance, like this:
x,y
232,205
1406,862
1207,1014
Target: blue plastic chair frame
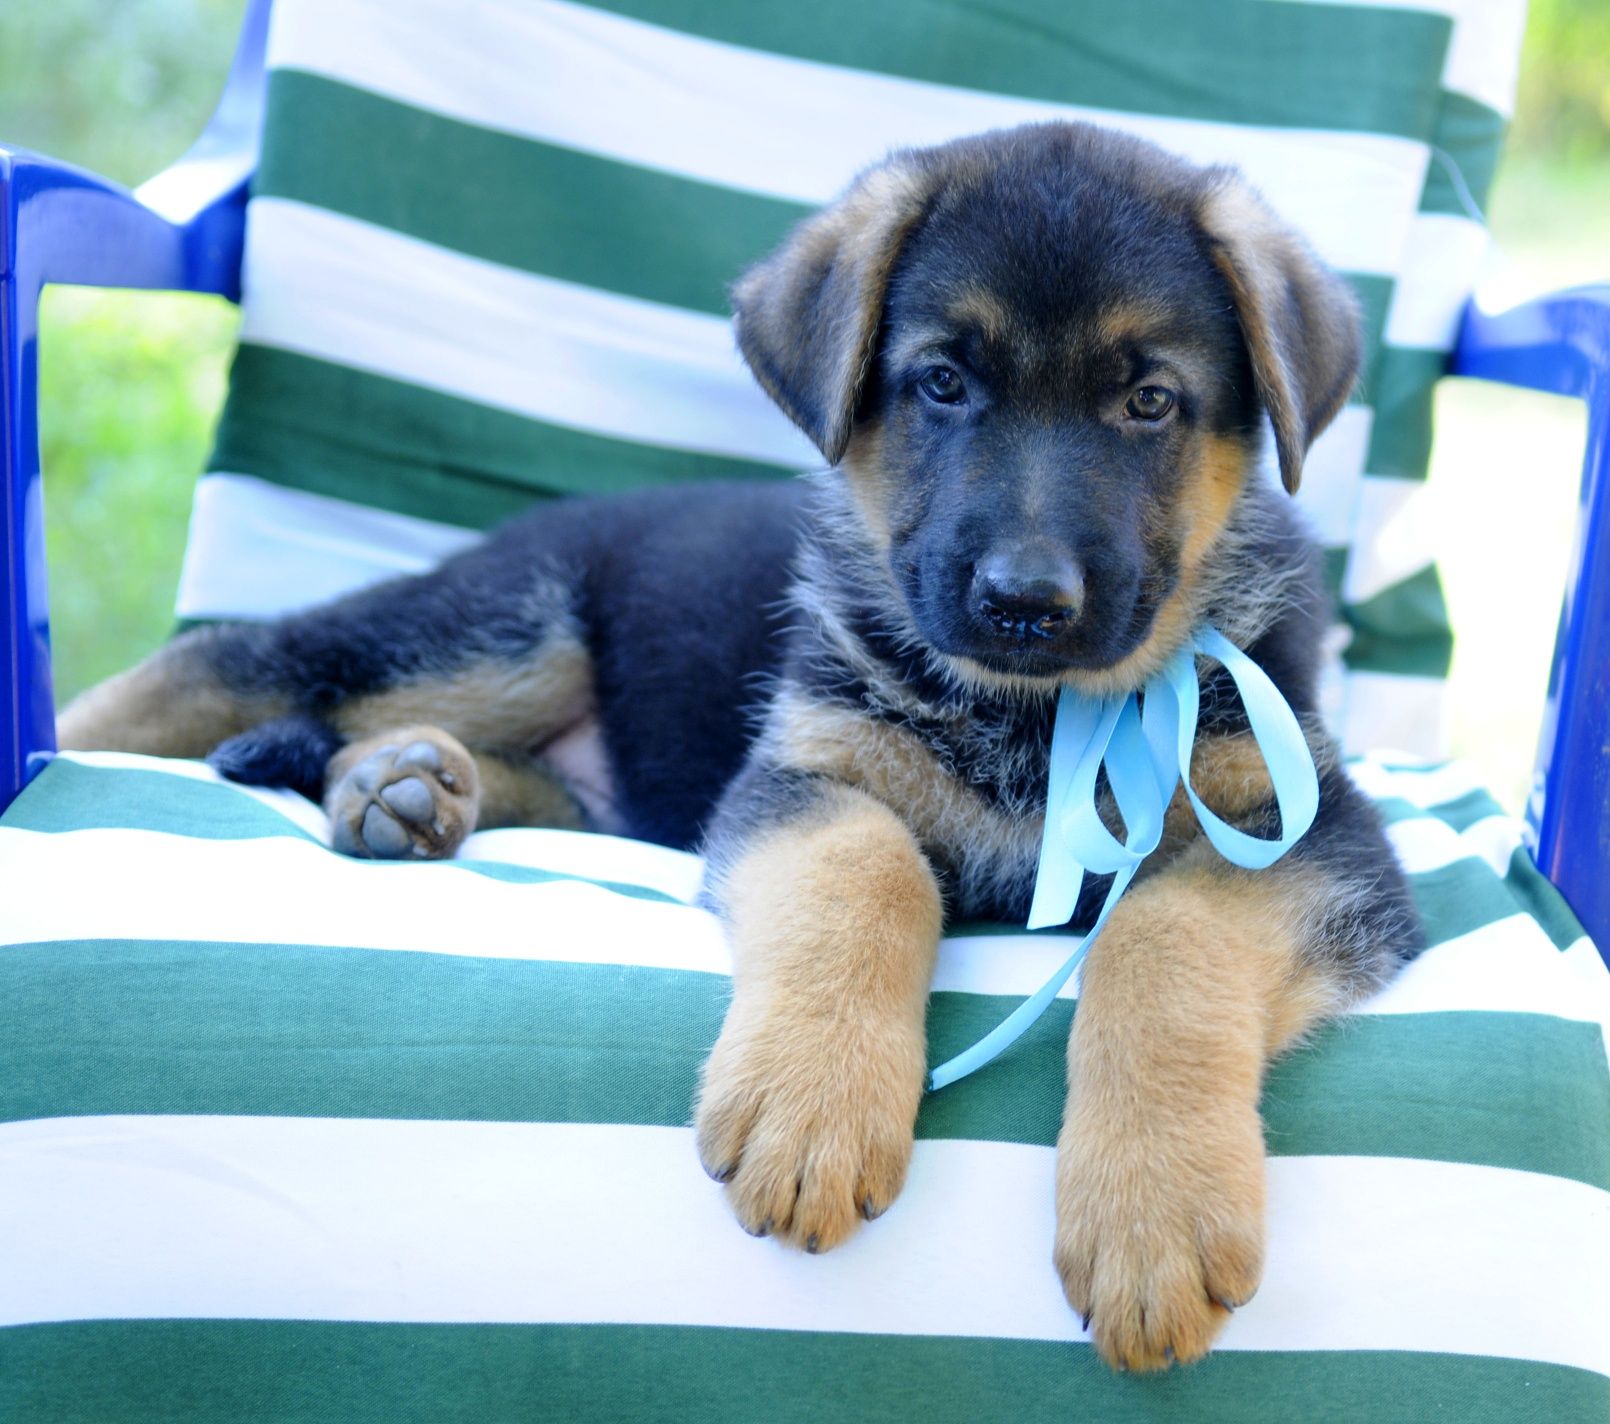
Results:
x,y
183,231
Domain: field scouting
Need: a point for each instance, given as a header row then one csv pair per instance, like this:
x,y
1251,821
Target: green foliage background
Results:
x,y
132,382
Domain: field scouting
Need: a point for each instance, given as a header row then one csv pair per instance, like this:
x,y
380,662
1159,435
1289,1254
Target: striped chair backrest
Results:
x,y
489,244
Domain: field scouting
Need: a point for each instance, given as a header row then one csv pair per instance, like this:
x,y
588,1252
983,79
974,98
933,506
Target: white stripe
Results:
x,y
1384,711
790,128
1426,843
346,291
1434,785
1444,258
1010,964
152,885
1392,532
257,550
597,857
1507,967
312,1219
1328,495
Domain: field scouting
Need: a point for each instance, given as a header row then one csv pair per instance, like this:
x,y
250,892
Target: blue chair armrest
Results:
x,y
181,231
1561,344
63,224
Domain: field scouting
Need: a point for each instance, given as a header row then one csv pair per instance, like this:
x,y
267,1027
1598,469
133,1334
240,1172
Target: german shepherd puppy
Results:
x,y
1038,364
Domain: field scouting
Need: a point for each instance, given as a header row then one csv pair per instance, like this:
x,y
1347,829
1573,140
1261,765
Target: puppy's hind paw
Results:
x,y
408,795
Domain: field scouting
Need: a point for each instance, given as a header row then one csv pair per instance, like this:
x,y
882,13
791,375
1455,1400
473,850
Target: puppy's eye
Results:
x,y
942,384
1150,403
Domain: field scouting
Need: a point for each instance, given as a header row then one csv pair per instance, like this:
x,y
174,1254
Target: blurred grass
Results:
x,y
131,383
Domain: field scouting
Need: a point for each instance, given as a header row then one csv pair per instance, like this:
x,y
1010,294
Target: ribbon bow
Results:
x,y
1146,754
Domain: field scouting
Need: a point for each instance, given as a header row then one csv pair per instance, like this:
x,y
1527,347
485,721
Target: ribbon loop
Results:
x,y
1146,753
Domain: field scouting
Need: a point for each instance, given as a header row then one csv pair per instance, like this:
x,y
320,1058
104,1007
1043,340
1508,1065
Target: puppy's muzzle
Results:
x,y
1028,593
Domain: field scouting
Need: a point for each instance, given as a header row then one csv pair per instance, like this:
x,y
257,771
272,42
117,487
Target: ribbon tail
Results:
x,y
1013,1027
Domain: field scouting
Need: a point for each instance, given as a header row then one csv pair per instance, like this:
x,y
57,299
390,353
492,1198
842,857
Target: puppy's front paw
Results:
x,y
809,1125
1159,1229
402,799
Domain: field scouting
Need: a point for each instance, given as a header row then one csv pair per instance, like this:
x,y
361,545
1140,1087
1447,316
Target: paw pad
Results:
x,y
416,802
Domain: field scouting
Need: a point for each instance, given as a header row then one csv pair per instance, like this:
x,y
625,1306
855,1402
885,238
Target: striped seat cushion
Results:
x,y
490,240
289,1136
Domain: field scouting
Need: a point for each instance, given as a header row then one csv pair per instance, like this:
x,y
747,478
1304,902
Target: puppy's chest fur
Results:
x,y
970,784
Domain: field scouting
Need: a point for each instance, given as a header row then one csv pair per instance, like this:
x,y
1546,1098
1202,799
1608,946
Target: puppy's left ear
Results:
x,y
1300,320
807,316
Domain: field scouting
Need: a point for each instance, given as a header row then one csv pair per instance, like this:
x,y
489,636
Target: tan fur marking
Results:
x,y
521,792
1211,489
1229,774
1128,322
1197,981
172,704
870,482
808,1101
512,704
979,307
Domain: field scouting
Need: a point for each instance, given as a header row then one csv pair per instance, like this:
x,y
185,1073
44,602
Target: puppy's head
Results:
x,y
1043,358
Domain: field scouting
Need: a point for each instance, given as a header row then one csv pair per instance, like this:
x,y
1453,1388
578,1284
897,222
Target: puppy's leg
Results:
x,y
1202,975
809,1099
178,702
487,646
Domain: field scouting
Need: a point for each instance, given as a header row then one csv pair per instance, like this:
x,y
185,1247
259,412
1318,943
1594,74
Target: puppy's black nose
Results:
x,y
1027,592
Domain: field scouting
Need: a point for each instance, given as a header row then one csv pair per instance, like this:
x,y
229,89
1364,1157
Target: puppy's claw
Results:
x,y
813,1244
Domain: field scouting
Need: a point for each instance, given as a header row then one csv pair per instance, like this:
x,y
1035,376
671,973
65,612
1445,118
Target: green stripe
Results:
x,y
1401,385
1464,811
313,1372
557,212
1460,897
1403,629
286,1030
69,796
1470,136
1235,61
333,430
1538,897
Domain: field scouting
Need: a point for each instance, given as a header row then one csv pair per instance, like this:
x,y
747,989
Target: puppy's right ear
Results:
x,y
807,316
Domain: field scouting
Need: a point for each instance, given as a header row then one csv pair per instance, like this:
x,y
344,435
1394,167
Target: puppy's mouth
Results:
x,y
1053,645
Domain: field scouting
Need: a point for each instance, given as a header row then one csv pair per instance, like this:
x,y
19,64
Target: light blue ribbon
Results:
x,y
1146,754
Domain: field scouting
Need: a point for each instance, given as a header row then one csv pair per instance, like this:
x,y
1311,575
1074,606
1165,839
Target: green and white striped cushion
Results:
x,y
287,1136
490,239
